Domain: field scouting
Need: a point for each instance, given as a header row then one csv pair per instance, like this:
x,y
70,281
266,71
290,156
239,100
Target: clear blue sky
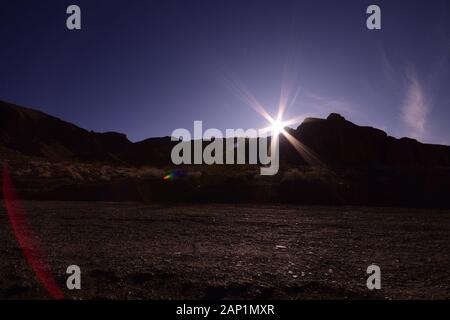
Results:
x,y
145,68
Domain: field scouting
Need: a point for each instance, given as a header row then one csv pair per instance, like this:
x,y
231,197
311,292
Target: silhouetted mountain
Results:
x,y
359,165
35,133
335,141
340,142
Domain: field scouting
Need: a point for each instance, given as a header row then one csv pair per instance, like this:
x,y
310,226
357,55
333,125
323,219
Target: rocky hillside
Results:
x,y
335,141
35,133
49,158
340,142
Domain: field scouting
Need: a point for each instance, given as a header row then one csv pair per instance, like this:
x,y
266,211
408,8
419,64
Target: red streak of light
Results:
x,y
26,238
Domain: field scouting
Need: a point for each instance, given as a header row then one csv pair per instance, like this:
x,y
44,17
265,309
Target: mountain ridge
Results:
x,y
335,140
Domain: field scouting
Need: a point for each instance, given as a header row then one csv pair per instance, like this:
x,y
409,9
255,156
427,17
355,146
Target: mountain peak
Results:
x,y
335,117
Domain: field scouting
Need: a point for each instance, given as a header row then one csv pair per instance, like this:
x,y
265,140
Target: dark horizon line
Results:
x,y
170,136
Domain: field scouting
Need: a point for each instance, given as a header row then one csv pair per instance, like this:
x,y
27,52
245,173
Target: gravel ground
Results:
x,y
136,251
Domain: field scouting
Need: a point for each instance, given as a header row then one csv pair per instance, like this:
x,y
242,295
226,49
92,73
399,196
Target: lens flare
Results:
x,y
168,177
174,174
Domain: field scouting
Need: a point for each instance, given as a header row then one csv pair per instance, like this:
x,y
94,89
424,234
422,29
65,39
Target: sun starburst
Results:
x,y
277,126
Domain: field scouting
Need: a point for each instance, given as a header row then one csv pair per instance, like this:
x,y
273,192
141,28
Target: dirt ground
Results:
x,y
136,251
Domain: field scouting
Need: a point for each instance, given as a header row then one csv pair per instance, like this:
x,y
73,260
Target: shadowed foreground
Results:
x,y
135,251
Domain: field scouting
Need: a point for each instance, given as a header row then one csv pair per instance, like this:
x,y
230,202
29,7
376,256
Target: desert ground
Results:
x,y
139,251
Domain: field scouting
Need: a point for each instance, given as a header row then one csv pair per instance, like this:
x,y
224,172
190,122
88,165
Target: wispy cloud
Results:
x,y
416,108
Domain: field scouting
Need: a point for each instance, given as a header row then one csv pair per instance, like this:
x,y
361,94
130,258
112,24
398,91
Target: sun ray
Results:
x,y
276,124
310,156
240,91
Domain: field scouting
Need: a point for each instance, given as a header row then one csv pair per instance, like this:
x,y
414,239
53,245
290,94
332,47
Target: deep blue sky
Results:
x,y
146,68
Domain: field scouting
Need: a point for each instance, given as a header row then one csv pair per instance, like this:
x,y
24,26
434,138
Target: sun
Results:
x,y
277,126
